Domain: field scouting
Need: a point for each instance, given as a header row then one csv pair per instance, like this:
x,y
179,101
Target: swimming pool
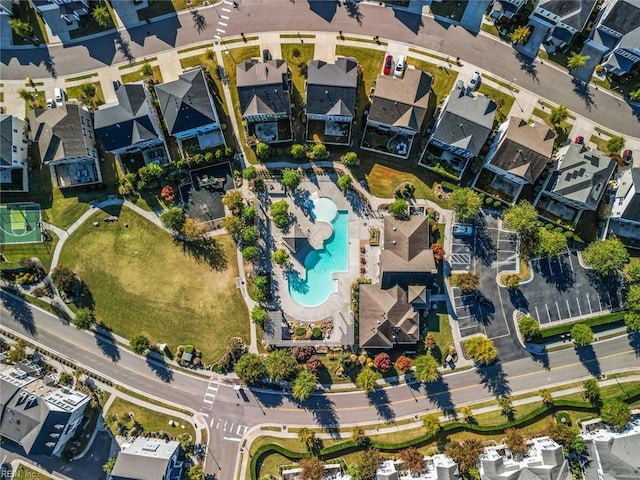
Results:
x,y
320,265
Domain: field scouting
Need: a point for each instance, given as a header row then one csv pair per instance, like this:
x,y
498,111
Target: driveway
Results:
x,y
473,15
540,30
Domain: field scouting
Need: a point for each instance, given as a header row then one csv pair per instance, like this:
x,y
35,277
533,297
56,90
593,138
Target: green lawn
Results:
x,y
503,100
443,80
371,62
438,324
136,76
88,26
297,57
23,473
601,143
150,420
449,9
490,28
143,283
15,252
561,131
75,92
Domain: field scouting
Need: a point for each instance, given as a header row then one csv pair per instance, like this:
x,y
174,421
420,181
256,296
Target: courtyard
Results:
x,y
202,196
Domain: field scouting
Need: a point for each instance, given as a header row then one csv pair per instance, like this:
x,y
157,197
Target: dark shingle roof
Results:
x,y
6,139
58,132
623,17
573,13
406,245
401,102
185,103
466,122
331,87
127,122
261,87
632,212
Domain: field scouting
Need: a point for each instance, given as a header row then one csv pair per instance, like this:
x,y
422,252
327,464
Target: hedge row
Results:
x,y
555,330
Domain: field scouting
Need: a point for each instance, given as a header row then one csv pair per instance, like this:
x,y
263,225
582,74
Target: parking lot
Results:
x,y
461,252
562,289
507,251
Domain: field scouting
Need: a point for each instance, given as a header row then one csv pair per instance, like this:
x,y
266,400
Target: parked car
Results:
x,y
266,55
51,103
474,83
111,218
626,158
462,230
59,96
388,65
459,85
116,85
400,66
579,140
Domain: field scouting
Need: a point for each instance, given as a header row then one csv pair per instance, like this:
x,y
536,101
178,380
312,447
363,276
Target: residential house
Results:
x,y
505,9
624,221
14,154
65,141
6,11
189,111
37,414
333,471
265,101
332,92
463,127
61,16
398,112
564,18
390,310
615,39
544,460
130,127
578,182
436,467
518,155
148,459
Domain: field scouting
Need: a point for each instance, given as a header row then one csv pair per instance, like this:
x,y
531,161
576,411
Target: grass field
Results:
x,y
23,473
297,57
136,76
503,100
601,143
143,283
76,92
443,80
14,252
561,131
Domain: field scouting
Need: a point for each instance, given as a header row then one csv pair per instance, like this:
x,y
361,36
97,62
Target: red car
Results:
x,y
626,158
388,64
579,140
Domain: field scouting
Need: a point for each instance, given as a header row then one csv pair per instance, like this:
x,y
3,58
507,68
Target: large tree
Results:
x,y
522,217
398,208
250,235
592,391
632,321
466,204
64,279
259,315
467,282
308,438
515,441
607,257
291,178
465,454
431,424
139,344
558,114
368,464
529,327
280,257
506,407
280,213
616,413
550,243
281,366
233,200
367,380
615,144
250,368
262,150
481,349
193,229
426,369
88,95
312,468
173,219
233,226
304,385
581,334
413,459
84,319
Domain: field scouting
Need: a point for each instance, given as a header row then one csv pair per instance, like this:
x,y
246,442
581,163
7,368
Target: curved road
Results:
x,y
367,19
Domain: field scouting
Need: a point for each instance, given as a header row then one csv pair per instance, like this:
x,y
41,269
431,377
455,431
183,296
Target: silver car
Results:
x,y
474,83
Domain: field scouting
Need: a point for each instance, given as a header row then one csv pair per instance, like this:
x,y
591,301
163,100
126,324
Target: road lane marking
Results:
x,y
225,17
223,24
212,420
232,439
218,425
219,30
205,400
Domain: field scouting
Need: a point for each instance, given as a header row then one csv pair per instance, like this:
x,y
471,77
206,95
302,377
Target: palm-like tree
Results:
x,y
558,115
577,60
520,35
146,70
26,95
101,16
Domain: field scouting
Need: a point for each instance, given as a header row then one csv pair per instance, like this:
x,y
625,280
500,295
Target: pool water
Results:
x,y
320,265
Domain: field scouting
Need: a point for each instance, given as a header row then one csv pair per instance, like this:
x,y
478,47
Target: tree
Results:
x,y
632,321
249,215
465,454
633,273
512,281
467,413
64,279
108,467
367,380
581,334
279,212
383,362
308,439
358,436
398,208
561,433
430,341
27,95
193,229
298,151
547,397
616,413
233,226
522,218
515,441
466,204
506,407
577,60
65,379
314,364
250,236
258,315
233,200
280,257
467,282
481,349
368,464
592,391
312,468
353,472
413,459
345,181
319,151
250,368
195,472
146,70
607,257
431,424
558,115
139,344
426,369
520,35
84,319
250,253
529,327
168,194
101,15
291,178
173,219
615,144
262,151
88,95
281,366
249,173
303,353
304,385
635,95
403,363
438,251
21,28
550,243
632,300
350,159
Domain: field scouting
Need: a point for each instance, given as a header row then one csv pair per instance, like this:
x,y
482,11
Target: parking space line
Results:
x,y
550,268
568,307
579,309
548,314
462,318
599,301
571,262
589,302
558,308
470,326
212,420
537,313
218,425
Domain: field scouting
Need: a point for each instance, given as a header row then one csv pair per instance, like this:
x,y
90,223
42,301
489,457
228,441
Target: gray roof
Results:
x,y
332,87
186,103
6,139
406,245
401,102
582,175
632,212
562,34
144,459
618,458
126,122
58,132
524,149
623,17
295,239
466,122
262,87
573,13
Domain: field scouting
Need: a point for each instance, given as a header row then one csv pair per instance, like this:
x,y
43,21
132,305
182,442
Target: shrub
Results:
x,y
317,333
262,151
297,151
350,159
303,353
383,362
488,201
314,364
403,363
319,151
497,203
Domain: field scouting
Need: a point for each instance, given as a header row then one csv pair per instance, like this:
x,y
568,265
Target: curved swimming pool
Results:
x,y
320,265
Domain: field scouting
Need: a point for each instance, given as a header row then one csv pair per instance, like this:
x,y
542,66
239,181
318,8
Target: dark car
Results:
x,y
116,84
266,55
388,65
626,158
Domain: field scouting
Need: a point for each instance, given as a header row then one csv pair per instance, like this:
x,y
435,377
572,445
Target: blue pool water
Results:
x,y
320,265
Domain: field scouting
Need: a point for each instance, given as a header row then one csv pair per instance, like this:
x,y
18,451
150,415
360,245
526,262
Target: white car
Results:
x,y
50,103
400,66
59,96
475,81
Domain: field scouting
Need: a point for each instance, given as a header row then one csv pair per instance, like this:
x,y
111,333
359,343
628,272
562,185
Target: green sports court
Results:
x,y
20,223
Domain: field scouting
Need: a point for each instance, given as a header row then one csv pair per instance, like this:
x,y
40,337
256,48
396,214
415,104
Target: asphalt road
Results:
x,y
255,16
